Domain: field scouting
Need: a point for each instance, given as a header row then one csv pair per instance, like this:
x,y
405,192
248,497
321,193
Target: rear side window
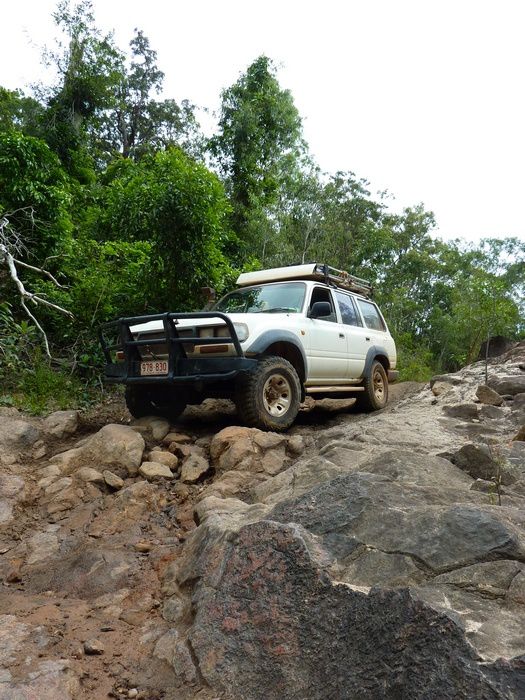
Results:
x,y
349,313
371,315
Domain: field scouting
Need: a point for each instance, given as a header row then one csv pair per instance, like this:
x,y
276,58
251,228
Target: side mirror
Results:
x,y
320,309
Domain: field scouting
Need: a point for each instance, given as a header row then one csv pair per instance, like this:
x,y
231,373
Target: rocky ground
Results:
x,y
356,556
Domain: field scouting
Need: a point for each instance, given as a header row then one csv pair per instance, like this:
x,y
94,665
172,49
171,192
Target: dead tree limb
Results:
x,y
7,258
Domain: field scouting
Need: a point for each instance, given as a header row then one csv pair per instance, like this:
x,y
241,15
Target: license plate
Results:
x,y
154,367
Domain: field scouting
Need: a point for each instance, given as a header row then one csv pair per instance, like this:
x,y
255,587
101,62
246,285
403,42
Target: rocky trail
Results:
x,y
356,556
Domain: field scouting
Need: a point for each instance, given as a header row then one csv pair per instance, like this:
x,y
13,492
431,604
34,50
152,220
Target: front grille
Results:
x,y
161,350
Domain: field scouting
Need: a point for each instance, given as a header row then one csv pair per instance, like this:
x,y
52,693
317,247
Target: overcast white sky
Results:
x,y
424,98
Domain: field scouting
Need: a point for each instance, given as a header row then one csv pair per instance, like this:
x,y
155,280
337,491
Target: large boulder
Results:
x,y
270,624
114,446
368,509
481,463
61,423
488,396
17,435
513,384
248,449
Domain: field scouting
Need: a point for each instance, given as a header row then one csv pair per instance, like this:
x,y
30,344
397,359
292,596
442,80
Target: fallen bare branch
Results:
x,y
11,241
41,270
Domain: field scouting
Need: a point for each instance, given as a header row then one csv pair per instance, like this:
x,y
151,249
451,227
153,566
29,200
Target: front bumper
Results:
x,y
181,369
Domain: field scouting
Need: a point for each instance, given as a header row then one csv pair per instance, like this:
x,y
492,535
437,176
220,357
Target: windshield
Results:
x,y
268,298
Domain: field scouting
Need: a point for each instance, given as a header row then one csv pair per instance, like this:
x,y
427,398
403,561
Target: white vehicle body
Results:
x,y
330,333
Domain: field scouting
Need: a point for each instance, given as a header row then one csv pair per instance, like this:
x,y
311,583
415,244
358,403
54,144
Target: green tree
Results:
x,y
138,123
34,194
89,68
181,209
18,111
258,149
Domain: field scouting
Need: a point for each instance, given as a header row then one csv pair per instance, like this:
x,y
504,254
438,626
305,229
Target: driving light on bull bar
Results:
x,y
242,331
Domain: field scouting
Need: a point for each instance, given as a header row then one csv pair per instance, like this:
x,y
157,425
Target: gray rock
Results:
x,y
491,412
163,457
61,423
194,468
467,411
281,630
89,475
479,462
367,509
155,470
11,486
153,426
520,435
112,479
114,446
165,646
296,445
49,680
490,578
57,486
42,546
516,590
440,388
487,621
488,396
39,449
518,401
512,385
50,470
376,568
93,647
17,434
13,633
173,609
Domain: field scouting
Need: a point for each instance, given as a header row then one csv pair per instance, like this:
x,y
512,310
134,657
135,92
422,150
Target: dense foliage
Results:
x,y
128,206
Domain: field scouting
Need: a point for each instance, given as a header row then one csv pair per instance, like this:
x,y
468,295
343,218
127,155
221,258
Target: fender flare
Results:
x,y
270,337
371,355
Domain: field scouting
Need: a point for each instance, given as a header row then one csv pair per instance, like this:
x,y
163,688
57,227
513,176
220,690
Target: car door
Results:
x,y
375,325
327,349
358,337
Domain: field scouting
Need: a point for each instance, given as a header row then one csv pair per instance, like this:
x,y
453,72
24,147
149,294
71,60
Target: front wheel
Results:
x,y
375,395
269,396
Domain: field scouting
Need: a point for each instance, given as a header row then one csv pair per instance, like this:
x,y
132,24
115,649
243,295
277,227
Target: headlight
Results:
x,y
205,332
242,331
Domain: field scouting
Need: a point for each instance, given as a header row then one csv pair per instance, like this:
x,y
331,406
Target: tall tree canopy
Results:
x,y
181,209
258,148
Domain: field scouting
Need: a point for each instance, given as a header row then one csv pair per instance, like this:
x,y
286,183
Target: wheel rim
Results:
x,y
379,386
277,395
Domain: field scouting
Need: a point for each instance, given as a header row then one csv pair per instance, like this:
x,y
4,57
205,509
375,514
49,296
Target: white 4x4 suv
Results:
x,y
283,334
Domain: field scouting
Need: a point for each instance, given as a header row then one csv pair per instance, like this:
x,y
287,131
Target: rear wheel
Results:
x,y
269,396
144,401
375,395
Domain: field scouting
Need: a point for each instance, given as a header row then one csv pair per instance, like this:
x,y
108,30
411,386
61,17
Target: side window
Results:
x,y
320,294
348,311
371,315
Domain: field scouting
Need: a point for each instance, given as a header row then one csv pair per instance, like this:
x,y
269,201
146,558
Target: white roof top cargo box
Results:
x,y
311,271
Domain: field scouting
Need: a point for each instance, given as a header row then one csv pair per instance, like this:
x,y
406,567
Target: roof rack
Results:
x,y
311,271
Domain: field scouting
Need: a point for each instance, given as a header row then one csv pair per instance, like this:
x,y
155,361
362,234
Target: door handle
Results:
x,y
341,335
367,338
